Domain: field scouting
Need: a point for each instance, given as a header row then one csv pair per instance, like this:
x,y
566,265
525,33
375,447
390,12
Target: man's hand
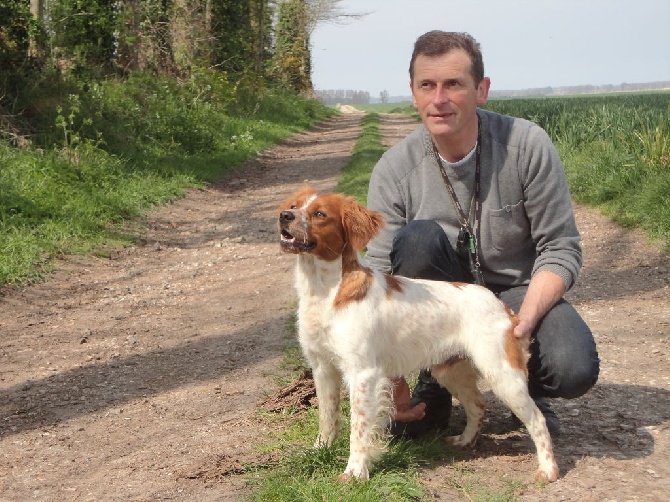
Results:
x,y
524,328
544,291
403,410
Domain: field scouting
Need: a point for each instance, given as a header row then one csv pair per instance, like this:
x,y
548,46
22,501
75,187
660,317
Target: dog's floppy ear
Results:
x,y
360,223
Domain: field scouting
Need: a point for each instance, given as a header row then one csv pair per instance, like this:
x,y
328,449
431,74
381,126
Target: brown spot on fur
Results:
x,y
356,279
392,285
460,284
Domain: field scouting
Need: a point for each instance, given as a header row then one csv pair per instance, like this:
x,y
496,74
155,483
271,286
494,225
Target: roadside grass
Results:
x,y
368,149
103,156
400,107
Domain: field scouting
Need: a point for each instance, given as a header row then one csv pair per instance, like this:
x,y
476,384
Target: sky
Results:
x,y
525,43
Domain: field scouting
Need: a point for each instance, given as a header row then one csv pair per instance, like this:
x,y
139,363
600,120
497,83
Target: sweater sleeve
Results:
x,y
549,209
384,196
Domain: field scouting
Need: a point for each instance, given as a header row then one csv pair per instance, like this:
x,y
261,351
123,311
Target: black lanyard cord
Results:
x,y
469,231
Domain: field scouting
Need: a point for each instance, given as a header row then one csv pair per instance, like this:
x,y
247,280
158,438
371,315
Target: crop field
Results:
x,y
616,150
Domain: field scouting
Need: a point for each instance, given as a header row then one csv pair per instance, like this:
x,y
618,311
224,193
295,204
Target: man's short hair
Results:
x,y
438,43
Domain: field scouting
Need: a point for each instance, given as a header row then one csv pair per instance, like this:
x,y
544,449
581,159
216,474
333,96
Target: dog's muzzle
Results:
x,y
293,238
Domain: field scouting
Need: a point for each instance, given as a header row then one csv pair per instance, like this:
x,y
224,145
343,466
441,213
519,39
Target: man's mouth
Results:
x,y
441,116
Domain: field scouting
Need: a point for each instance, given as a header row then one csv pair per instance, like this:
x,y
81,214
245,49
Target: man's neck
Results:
x,y
455,149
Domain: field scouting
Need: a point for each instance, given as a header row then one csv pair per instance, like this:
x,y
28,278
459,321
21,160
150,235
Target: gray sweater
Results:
x,y
527,222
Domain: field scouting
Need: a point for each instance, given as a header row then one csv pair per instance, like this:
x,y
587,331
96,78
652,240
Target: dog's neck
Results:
x,y
322,278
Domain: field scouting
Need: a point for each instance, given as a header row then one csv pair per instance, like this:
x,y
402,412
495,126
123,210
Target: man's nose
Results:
x,y
440,96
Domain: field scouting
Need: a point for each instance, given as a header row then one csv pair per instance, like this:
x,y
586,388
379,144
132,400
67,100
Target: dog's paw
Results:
x,y
322,442
547,475
360,474
461,441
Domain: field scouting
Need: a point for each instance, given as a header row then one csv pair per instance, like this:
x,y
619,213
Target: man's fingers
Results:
x,y
410,414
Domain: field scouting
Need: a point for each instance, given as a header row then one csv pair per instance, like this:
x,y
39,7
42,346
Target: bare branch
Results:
x,y
329,11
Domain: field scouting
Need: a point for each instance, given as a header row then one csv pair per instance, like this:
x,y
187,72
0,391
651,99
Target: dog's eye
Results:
x,y
320,214
293,206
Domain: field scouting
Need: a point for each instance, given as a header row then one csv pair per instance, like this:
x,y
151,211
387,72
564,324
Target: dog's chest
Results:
x,y
315,330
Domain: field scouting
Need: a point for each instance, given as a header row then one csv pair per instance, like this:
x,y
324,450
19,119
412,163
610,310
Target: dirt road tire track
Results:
x,y
138,377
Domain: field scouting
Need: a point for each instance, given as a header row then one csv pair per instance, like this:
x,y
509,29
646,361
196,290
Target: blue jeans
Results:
x,y
563,357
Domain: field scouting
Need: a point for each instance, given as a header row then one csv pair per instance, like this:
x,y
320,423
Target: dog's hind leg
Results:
x,y
327,381
369,395
460,378
511,387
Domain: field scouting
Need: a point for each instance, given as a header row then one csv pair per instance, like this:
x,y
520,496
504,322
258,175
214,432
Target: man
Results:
x,y
475,196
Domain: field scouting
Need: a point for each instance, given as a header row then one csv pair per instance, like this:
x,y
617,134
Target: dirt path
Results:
x,y
138,377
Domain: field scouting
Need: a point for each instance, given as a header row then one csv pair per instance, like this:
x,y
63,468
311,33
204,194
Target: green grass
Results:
x,y
104,154
306,474
367,151
402,107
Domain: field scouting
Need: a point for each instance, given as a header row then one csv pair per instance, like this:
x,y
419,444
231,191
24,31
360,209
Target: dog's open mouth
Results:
x,y
289,242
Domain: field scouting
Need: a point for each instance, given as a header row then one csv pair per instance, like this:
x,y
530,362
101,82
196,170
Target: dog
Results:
x,y
363,327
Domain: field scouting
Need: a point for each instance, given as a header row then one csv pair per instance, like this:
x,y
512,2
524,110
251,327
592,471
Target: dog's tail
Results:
x,y
517,349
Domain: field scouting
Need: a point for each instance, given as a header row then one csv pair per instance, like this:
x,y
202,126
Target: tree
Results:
x,y
292,61
83,33
18,29
233,35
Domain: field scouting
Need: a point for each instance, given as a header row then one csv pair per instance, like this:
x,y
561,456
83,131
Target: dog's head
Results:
x,y
324,224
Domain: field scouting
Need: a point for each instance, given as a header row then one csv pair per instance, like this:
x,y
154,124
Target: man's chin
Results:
x,y
439,127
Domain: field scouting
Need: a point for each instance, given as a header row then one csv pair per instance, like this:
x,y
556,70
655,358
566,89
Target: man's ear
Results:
x,y
360,223
411,88
483,91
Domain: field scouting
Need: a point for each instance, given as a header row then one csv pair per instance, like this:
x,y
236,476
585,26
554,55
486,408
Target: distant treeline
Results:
x,y
343,97
581,89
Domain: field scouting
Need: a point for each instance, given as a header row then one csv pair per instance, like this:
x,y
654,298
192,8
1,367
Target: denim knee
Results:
x,y
572,373
422,250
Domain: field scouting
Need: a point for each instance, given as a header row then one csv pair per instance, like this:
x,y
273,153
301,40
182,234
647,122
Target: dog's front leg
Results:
x,y
369,394
327,381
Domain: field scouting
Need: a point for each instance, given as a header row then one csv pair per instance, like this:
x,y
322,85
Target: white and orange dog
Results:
x,y
364,327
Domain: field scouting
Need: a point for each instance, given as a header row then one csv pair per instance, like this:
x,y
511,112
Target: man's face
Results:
x,y
445,95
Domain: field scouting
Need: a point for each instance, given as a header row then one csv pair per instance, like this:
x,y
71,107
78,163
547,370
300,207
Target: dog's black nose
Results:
x,y
286,216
